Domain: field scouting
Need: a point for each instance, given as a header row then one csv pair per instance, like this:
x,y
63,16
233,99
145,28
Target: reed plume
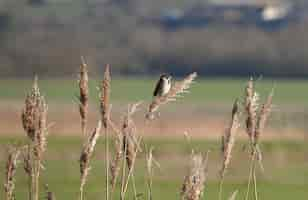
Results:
x,y
130,148
30,114
41,135
11,166
229,137
129,130
193,186
264,113
85,156
228,140
251,107
28,168
255,123
34,120
115,166
105,113
105,96
178,88
83,95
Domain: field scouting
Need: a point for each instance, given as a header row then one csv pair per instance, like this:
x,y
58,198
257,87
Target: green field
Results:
x,y
285,177
287,92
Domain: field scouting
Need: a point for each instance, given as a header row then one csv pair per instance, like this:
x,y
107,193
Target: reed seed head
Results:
x,y
229,137
130,143
87,152
264,113
83,93
251,107
175,91
30,112
105,96
11,166
193,186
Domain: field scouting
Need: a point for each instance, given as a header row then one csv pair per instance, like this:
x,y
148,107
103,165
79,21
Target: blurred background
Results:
x,y
225,41
213,37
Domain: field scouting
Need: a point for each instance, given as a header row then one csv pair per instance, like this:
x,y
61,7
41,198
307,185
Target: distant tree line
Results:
x,y
49,40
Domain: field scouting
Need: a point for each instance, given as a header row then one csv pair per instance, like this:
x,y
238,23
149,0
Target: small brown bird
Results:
x,y
162,86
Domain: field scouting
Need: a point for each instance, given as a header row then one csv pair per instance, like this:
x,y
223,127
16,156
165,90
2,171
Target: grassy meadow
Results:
x,y
285,162
285,176
287,92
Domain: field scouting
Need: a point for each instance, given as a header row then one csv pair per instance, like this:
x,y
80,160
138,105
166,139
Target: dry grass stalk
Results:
x,y
129,135
255,123
233,196
193,186
30,112
265,111
105,113
115,166
27,165
28,168
85,156
105,96
228,142
83,94
11,166
130,147
41,135
149,164
229,137
34,120
251,107
175,91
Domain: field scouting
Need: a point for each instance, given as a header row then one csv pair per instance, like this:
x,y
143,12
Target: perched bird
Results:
x,y
162,86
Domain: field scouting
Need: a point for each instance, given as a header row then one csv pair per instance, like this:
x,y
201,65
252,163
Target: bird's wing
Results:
x,y
157,88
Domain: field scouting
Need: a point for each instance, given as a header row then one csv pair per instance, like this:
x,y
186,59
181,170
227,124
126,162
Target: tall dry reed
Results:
x,y
228,143
177,88
256,117
85,157
11,166
131,146
83,95
194,181
105,112
34,120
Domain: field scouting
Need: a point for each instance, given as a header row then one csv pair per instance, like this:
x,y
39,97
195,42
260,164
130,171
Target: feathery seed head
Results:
x,y
175,91
193,186
11,166
87,152
83,93
105,96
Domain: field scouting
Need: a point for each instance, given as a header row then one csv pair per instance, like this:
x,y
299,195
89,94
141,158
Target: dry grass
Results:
x,y
193,186
11,166
175,91
83,95
105,112
105,96
228,140
127,142
255,122
229,137
34,120
85,156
